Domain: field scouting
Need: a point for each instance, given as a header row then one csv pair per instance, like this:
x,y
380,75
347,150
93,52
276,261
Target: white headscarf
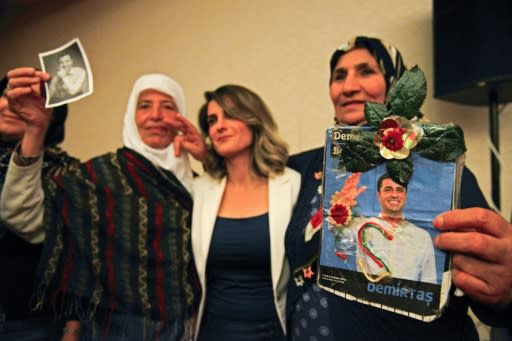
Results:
x,y
164,158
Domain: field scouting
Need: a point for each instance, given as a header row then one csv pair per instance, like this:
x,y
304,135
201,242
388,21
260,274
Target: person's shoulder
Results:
x,y
417,229
306,155
358,221
470,193
203,180
309,158
108,157
288,175
79,69
291,173
104,155
58,161
56,151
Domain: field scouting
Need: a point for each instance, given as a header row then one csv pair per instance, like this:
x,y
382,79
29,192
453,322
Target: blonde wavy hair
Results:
x,y
269,152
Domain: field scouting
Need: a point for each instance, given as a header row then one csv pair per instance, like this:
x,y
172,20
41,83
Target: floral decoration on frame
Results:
x,y
399,131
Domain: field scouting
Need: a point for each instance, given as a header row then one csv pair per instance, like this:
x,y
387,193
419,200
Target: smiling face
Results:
x,y
356,79
65,62
230,137
11,127
392,198
155,118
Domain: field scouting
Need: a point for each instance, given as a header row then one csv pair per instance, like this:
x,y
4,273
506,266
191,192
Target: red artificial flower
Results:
x,y
389,123
339,214
396,137
392,139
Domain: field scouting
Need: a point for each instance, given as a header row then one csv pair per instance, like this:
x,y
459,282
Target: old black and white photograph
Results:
x,y
71,74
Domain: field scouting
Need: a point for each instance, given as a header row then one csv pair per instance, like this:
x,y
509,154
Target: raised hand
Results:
x,y
190,140
26,96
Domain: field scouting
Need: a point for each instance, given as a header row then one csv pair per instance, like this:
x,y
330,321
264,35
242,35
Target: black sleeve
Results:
x,y
470,193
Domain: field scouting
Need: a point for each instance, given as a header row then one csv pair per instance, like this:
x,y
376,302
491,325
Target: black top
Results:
x,y
239,283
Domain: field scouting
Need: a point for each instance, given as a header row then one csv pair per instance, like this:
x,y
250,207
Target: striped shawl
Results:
x,y
118,239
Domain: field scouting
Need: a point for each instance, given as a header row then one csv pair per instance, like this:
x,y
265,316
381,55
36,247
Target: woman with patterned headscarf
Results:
x,y
363,69
116,229
374,68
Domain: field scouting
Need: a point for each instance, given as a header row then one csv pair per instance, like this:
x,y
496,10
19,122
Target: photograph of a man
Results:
x,y
69,80
71,75
390,243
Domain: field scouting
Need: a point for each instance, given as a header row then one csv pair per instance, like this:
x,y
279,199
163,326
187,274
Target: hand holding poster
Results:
x,y
383,186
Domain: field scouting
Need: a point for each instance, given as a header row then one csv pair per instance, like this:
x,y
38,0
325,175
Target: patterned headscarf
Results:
x,y
55,134
164,158
388,57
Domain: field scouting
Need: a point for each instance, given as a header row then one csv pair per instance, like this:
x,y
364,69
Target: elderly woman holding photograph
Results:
x,y
116,230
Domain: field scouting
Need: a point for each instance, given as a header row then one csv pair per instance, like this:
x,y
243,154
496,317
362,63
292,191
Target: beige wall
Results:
x,y
279,48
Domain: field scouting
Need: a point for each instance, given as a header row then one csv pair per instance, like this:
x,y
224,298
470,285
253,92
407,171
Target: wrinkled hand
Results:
x,y
348,194
26,97
190,140
481,243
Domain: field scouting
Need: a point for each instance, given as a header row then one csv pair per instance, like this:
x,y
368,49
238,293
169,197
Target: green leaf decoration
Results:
x,y
400,170
441,142
438,142
408,93
374,113
361,155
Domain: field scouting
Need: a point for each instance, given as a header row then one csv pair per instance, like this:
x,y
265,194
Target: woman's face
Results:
x,y
230,137
155,118
356,79
12,127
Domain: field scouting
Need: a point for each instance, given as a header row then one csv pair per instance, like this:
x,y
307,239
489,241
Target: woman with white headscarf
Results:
x,y
116,229
165,157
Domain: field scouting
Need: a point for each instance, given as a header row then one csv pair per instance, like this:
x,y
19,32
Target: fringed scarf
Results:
x,y
118,239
